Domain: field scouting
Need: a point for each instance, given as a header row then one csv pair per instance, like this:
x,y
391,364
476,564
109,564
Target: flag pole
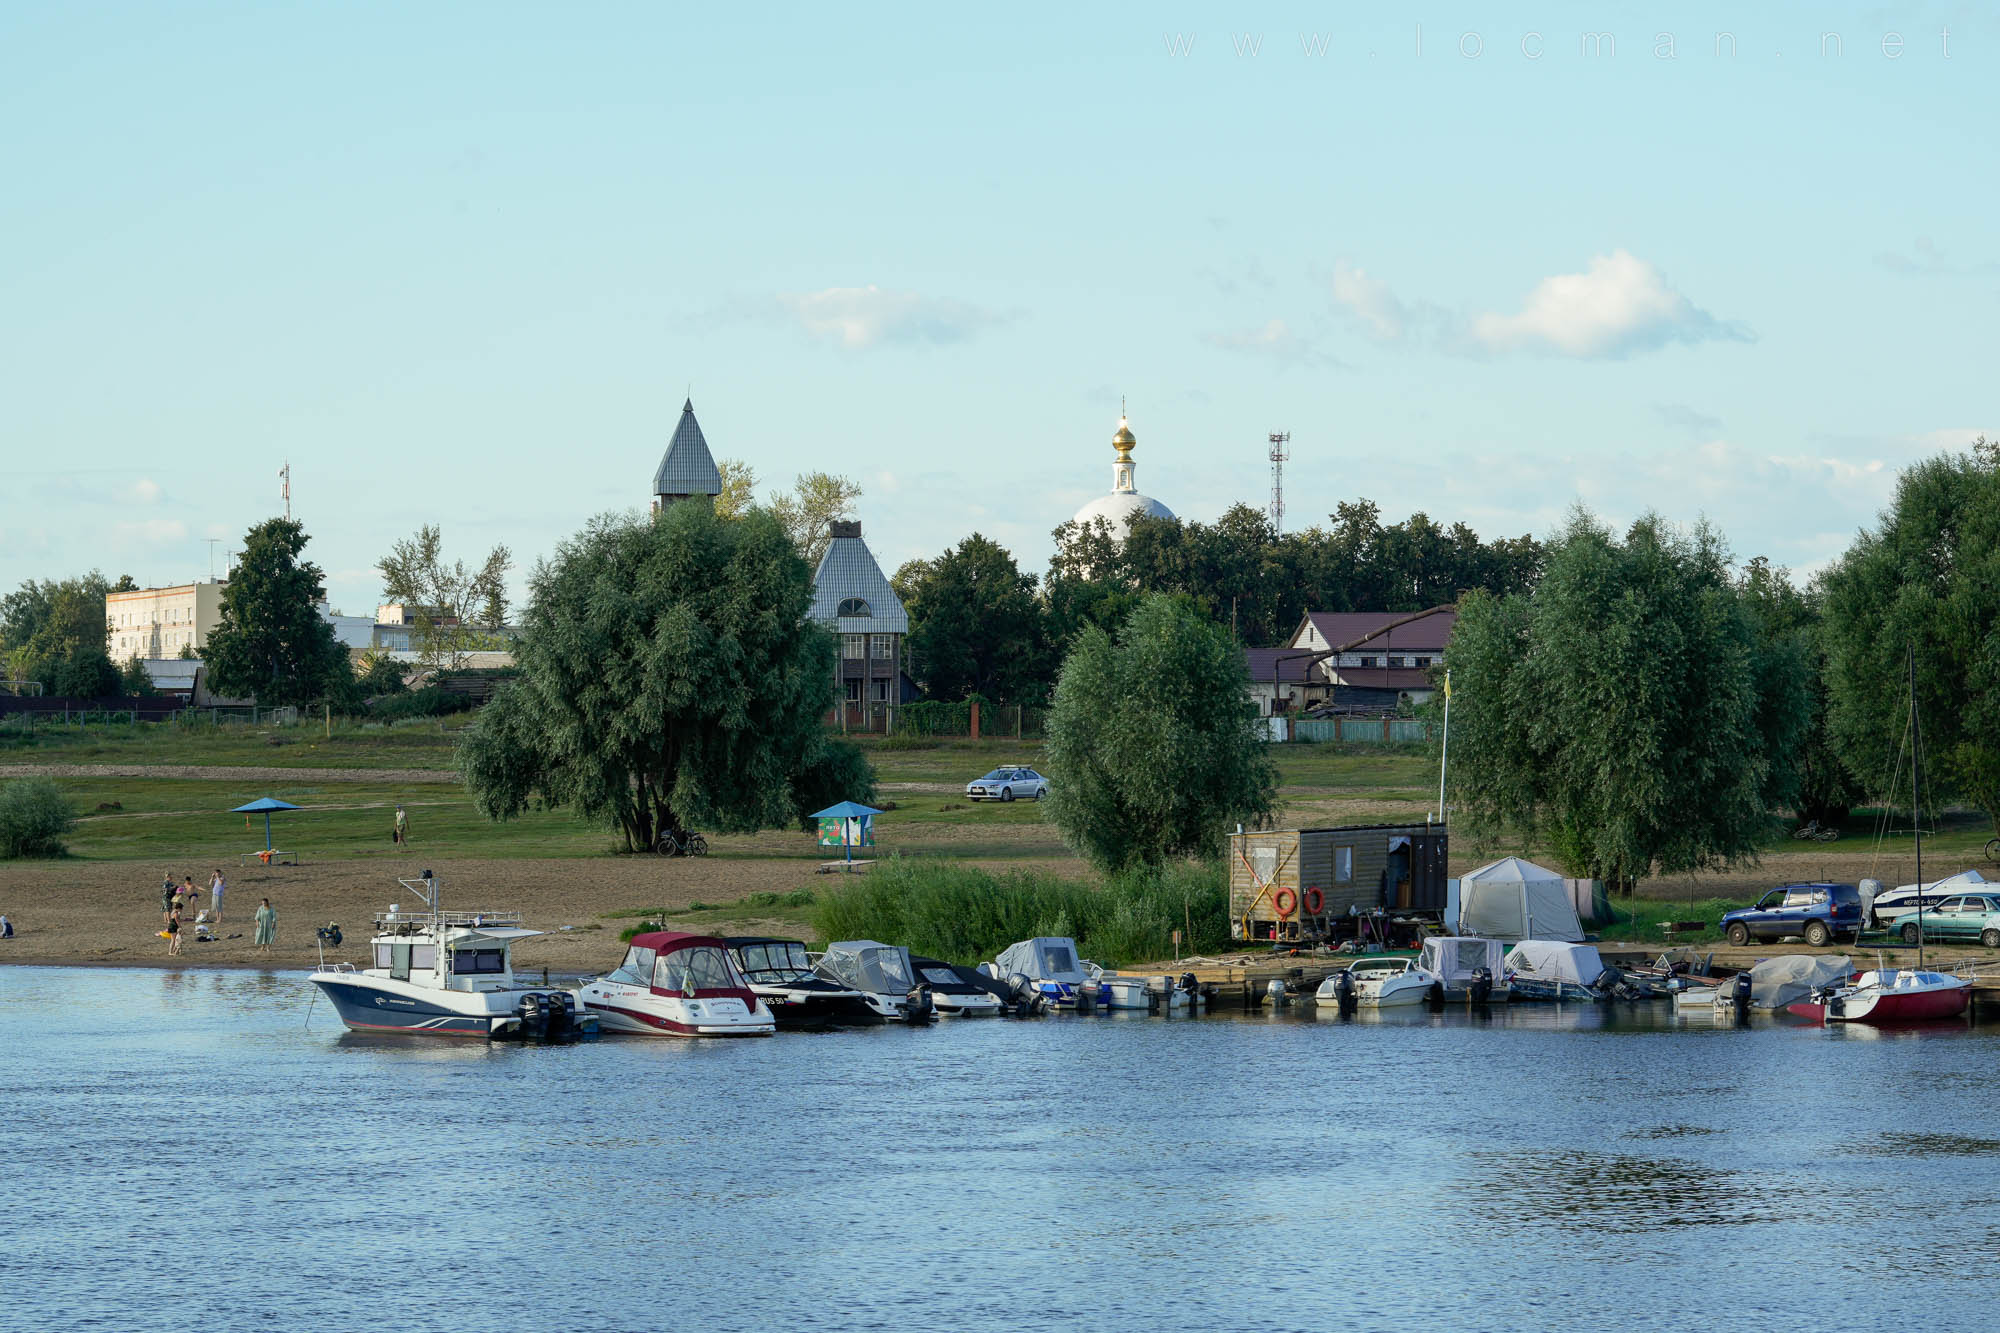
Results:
x,y
1444,750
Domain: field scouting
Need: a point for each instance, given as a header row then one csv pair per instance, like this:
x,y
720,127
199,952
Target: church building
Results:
x,y
1124,503
851,597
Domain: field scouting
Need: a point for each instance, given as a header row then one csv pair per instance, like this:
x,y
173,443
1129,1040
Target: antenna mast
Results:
x,y
285,476
1279,453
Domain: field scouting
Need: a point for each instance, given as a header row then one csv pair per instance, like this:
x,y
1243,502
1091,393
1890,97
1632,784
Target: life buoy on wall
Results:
x,y
1315,900
1284,902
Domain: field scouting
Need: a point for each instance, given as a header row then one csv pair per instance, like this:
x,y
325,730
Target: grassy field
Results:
x,y
420,743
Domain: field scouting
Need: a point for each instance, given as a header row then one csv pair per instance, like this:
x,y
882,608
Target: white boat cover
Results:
x,y
867,965
1965,881
1457,957
1045,958
1514,899
1776,982
1555,960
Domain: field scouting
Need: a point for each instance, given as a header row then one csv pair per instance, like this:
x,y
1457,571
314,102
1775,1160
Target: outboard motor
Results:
x,y
1739,997
1343,992
1277,994
1610,984
1434,997
918,1006
560,1024
532,1018
1482,986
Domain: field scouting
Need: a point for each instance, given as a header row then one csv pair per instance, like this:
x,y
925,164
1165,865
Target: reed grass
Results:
x,y
967,915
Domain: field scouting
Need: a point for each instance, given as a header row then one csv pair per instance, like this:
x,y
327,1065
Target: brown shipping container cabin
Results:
x,y
1272,875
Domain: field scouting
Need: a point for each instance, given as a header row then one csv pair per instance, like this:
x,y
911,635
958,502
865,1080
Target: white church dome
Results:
x,y
1124,503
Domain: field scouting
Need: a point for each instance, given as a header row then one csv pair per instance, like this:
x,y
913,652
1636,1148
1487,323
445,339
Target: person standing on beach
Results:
x,y
173,932
6,928
267,925
402,835
215,888
177,900
167,889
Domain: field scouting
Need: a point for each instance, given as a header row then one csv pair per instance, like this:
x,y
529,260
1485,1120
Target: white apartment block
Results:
x,y
159,622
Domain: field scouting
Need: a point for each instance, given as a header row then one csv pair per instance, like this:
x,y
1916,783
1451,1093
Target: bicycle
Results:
x,y
690,844
1993,849
1813,832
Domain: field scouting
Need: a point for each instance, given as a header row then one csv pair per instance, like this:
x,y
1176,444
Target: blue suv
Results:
x,y
1820,912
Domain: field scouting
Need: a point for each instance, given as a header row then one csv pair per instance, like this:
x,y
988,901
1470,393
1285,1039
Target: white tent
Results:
x,y
1512,900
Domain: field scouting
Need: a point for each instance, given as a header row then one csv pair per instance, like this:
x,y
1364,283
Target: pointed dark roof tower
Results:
x,y
688,468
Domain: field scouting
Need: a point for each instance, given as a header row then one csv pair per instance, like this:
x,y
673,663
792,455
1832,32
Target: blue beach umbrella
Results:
x,y
264,805
833,825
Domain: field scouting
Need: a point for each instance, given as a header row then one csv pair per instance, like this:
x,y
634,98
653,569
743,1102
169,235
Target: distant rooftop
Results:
x,y
688,468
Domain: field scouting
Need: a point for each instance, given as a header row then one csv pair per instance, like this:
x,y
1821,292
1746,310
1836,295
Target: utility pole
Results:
x,y
285,476
1279,453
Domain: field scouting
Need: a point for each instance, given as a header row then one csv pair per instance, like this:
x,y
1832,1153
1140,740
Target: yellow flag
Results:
x,y
1447,684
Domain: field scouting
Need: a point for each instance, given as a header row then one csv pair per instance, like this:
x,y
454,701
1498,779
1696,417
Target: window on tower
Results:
x,y
853,606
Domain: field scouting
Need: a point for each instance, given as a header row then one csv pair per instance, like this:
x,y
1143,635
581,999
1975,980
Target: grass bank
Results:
x,y
967,915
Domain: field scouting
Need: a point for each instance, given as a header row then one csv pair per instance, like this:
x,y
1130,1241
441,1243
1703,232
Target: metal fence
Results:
x,y
1363,730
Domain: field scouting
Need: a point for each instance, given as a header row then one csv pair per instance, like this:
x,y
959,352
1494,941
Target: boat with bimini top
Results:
x,y
674,984
447,974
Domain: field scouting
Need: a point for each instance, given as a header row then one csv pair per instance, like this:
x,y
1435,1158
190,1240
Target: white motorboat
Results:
x,y
958,992
780,973
1050,964
1890,907
447,974
673,984
1383,983
1161,991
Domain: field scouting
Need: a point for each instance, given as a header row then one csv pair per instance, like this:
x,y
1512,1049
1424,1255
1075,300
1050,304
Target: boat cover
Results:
x,y
868,965
1511,900
1045,958
1777,982
1457,957
1553,960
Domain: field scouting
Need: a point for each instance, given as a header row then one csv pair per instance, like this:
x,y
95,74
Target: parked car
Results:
x,y
1007,784
1819,912
1965,916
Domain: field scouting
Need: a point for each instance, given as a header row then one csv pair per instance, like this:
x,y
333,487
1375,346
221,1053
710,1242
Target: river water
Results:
x,y
186,1150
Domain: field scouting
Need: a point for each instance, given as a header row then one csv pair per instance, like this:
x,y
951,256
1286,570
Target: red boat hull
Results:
x,y
1913,1006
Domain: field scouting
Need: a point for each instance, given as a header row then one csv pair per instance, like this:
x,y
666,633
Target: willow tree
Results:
x,y
668,680
1154,749
1924,586
1626,713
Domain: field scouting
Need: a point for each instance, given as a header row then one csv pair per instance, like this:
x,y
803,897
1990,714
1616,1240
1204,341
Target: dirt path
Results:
x,y
228,773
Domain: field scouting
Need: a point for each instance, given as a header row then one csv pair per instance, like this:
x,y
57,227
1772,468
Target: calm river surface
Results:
x,y
180,1150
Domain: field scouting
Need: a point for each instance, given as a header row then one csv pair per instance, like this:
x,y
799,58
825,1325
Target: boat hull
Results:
x,y
1922,1006
635,1012
803,1010
366,1007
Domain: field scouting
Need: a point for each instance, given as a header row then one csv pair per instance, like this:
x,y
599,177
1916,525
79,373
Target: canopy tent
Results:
x,y
1777,982
849,825
869,965
264,805
1457,957
1550,961
1045,958
1512,900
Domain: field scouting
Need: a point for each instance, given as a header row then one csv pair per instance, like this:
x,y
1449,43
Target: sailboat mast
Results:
x,y
1917,799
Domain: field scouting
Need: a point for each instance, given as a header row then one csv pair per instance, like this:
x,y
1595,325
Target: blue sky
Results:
x,y
460,265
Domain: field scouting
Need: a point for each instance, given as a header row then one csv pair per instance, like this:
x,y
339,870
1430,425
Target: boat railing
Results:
x,y
325,966
412,920
1977,969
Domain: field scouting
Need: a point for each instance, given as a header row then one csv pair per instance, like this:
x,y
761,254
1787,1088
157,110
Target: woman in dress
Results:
x,y
267,925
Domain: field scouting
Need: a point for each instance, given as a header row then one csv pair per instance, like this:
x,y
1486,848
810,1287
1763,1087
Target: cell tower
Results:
x,y
1279,439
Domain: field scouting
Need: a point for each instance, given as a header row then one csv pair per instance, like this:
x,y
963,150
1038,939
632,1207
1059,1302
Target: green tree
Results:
x,y
455,610
1927,581
53,632
1624,713
668,679
739,488
816,499
271,643
34,816
975,625
1789,621
1154,750
133,682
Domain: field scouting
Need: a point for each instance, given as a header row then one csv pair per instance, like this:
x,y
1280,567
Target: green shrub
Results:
x,y
33,818
966,915
431,701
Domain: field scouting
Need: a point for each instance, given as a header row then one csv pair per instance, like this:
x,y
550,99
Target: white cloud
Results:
x,y
151,530
1619,306
1276,340
144,491
869,316
1372,302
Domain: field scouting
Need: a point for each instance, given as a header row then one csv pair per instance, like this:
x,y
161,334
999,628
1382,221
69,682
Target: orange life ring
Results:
x,y
1315,900
1284,902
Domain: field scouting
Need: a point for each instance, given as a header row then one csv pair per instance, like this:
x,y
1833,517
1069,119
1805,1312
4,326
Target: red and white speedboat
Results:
x,y
1888,995
673,984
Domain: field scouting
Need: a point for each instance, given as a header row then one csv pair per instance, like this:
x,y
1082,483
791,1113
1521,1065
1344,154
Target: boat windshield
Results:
x,y
1383,965
940,976
784,957
703,967
636,970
